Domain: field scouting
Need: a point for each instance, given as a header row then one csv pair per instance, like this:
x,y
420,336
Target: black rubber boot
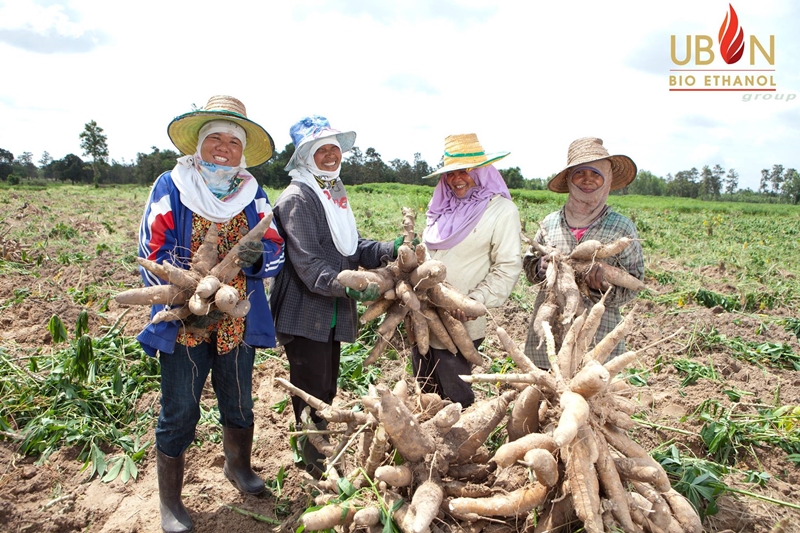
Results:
x,y
238,444
174,516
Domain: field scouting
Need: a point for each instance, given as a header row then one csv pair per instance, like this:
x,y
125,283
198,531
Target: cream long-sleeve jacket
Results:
x,y
487,263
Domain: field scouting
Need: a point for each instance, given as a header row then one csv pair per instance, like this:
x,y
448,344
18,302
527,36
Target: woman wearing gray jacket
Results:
x,y
313,312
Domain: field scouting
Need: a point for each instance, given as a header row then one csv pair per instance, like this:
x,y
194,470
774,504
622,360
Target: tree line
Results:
x,y
778,184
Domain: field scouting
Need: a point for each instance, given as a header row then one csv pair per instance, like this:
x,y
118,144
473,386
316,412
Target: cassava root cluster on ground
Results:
x,y
567,462
203,288
413,289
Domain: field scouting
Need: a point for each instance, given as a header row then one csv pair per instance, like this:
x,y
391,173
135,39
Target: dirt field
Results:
x,y
56,496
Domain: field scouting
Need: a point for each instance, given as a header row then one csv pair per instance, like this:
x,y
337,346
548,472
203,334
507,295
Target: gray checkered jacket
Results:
x,y
303,295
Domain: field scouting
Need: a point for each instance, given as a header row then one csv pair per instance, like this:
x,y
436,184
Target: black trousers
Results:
x,y
313,368
438,370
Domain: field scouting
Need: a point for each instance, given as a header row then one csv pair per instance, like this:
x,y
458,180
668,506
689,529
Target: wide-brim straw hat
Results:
x,y
184,130
586,150
310,129
464,151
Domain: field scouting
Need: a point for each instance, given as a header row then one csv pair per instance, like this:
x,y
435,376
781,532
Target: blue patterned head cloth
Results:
x,y
314,127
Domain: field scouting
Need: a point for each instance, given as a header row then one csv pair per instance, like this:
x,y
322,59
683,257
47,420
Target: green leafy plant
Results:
x,y
353,376
62,231
694,371
758,478
698,480
84,394
636,376
792,325
725,431
713,299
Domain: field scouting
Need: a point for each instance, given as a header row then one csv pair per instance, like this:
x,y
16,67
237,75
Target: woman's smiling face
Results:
x,y
460,182
328,157
221,148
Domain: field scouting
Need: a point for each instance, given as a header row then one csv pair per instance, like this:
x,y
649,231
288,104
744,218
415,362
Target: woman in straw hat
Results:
x,y
313,312
590,174
473,227
209,185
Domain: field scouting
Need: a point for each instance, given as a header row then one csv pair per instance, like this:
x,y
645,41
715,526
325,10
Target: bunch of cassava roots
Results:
x,y
413,290
201,291
567,463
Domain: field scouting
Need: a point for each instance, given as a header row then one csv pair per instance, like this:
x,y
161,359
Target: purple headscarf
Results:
x,y
450,218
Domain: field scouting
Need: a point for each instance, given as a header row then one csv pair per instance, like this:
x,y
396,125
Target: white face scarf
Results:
x,y
330,191
583,208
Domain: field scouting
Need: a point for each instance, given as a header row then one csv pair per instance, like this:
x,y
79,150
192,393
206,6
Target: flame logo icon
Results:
x,y
731,37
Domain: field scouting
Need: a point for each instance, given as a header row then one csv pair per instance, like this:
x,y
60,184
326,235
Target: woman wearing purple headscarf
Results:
x,y
473,228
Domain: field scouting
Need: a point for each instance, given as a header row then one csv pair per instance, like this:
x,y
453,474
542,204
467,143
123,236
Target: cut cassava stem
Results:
x,y
326,411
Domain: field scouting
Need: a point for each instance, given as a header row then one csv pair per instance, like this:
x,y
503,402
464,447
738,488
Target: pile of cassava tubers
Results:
x,y
413,289
567,463
201,290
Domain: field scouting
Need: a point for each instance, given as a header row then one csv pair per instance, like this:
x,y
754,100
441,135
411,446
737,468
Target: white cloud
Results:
x,y
527,77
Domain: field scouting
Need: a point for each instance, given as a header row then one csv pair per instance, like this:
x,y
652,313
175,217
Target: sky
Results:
x,y
527,77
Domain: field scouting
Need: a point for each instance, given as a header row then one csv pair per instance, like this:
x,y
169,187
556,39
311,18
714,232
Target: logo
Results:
x,y
727,69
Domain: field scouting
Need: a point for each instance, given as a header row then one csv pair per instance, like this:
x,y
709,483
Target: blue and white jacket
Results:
x,y
165,235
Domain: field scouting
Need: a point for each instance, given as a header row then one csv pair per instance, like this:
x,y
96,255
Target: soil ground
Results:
x,y
57,497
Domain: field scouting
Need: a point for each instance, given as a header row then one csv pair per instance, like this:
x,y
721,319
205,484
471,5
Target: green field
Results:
x,y
721,401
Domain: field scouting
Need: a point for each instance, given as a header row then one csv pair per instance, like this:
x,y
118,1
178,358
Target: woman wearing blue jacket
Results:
x,y
209,185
